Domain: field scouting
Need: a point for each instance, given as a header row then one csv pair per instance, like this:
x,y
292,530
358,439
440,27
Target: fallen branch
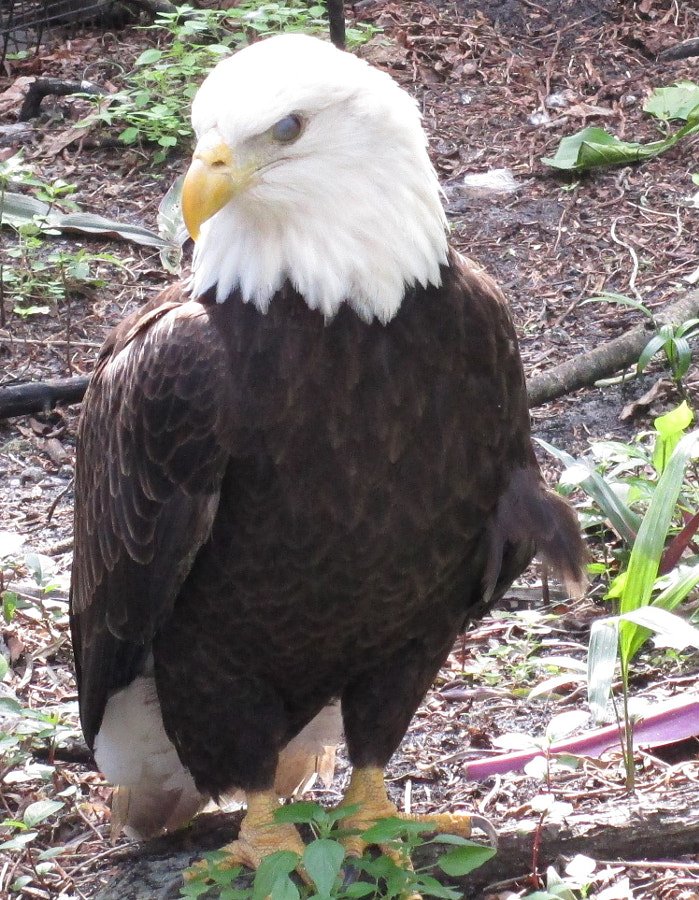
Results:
x,y
604,361
40,396
660,825
46,87
683,50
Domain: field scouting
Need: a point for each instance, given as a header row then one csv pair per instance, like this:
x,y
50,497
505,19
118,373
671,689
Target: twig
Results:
x,y
634,259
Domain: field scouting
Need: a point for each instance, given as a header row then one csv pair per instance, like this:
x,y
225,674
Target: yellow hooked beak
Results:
x,y
213,179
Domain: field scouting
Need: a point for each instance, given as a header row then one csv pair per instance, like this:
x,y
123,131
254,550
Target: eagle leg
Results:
x,y
367,790
259,836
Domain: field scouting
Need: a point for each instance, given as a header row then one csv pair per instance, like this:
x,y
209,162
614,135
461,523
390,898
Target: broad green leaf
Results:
x,y
670,427
648,547
129,135
297,813
601,665
41,567
428,886
42,809
665,623
10,705
323,860
148,57
674,102
462,860
53,852
624,521
454,840
392,829
593,146
359,889
672,596
284,889
18,210
272,869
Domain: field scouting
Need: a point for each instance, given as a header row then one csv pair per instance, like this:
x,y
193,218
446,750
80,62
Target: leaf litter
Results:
x,y
501,84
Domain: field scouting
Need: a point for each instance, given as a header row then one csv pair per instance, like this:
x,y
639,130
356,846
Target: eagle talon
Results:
x,y
259,836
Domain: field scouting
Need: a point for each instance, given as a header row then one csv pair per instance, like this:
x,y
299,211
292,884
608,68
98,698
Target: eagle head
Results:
x,y
311,167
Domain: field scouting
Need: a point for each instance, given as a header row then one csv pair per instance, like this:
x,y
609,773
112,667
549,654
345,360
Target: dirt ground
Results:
x,y
500,83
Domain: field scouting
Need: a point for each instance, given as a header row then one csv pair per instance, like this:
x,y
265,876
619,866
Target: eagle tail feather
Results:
x,y
531,520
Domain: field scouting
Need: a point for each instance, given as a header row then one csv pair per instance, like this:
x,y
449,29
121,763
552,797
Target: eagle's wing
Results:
x,y
152,451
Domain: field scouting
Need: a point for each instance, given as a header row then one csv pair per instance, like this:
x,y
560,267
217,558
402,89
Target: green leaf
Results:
x,y
393,829
462,860
656,343
648,547
620,300
665,623
427,886
601,665
593,147
681,357
322,860
148,57
19,842
42,809
273,868
4,667
359,889
10,705
18,210
669,429
41,567
303,813
624,521
129,135
284,889
675,102
672,596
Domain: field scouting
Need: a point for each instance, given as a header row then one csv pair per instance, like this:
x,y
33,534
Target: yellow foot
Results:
x,y
259,836
367,790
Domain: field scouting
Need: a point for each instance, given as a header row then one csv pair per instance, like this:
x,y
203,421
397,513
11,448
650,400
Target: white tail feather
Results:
x,y
155,792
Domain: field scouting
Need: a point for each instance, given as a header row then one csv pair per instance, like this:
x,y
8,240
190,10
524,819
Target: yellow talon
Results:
x,y
259,836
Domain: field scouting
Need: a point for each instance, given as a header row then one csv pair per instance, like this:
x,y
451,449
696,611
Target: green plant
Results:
x,y
653,573
324,860
671,340
155,101
35,281
593,146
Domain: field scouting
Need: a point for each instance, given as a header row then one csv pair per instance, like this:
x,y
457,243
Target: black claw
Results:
x,y
486,826
350,872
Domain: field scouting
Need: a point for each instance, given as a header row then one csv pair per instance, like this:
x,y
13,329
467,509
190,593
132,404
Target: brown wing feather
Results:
x,y
153,442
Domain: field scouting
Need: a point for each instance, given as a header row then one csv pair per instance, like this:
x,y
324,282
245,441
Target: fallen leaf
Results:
x,y
658,391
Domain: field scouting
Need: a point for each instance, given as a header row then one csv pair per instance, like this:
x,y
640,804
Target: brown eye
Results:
x,y
287,129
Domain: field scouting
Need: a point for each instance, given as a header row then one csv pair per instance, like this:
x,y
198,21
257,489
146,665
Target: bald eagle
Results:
x,y
303,472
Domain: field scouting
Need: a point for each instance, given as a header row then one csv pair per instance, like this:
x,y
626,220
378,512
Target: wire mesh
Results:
x,y
25,23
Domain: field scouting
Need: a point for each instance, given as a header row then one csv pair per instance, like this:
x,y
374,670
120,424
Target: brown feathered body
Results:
x,y
275,511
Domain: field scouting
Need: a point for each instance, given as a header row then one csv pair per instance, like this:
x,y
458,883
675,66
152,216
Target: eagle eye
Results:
x,y
287,129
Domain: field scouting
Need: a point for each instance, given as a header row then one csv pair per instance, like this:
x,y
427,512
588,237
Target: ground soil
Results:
x,y
500,83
